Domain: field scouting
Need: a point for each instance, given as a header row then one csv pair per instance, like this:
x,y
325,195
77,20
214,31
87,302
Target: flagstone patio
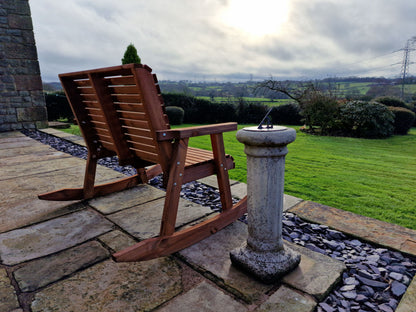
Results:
x,y
56,256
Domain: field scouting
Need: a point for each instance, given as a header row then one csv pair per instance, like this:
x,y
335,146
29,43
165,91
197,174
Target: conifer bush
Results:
x,y
130,56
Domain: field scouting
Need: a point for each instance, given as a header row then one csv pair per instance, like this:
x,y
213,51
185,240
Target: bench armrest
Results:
x,y
181,133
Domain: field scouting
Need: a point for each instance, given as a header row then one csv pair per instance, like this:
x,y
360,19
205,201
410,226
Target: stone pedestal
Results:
x,y
264,255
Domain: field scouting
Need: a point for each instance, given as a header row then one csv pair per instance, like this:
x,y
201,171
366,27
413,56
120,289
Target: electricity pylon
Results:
x,y
406,61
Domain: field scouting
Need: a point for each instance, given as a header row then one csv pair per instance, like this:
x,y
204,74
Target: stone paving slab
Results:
x,y
15,144
22,158
59,124
382,233
212,181
64,135
143,221
286,299
110,287
11,134
41,272
204,298
57,133
408,301
27,211
20,205
211,257
37,150
51,236
8,298
49,163
116,240
315,275
137,195
289,201
13,139
239,190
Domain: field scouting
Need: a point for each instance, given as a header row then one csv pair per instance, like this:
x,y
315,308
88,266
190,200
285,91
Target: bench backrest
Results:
x,y
118,110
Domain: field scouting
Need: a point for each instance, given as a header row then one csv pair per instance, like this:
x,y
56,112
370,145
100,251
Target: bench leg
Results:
x,y
217,142
89,177
173,189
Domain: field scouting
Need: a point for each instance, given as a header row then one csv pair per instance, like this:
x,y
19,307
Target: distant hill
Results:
x,y
52,86
349,87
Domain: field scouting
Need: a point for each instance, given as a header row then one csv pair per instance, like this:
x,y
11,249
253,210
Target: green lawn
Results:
x,y
375,178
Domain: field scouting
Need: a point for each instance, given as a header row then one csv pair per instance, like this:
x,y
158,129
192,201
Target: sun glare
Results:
x,y
256,17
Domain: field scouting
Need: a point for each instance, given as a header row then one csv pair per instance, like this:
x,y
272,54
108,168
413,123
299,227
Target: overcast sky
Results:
x,y
227,40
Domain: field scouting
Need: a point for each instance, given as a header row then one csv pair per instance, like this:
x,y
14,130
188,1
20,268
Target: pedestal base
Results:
x,y
268,266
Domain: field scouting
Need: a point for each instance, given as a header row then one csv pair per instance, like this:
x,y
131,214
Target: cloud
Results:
x,y
187,39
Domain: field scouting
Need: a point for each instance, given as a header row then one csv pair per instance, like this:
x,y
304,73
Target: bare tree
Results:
x,y
318,102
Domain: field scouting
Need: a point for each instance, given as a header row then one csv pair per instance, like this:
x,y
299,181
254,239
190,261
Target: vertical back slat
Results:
x,y
107,106
154,110
81,114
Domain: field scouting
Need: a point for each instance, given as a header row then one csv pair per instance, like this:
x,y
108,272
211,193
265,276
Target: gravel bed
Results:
x,y
375,279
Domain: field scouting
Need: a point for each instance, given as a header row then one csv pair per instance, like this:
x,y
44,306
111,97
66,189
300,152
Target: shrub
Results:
x,y
366,120
320,110
286,114
175,115
403,119
391,101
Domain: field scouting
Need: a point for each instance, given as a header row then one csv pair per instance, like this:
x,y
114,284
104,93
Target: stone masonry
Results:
x,y
22,104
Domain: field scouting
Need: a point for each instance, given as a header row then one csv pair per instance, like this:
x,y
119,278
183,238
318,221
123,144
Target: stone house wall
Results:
x,y
22,103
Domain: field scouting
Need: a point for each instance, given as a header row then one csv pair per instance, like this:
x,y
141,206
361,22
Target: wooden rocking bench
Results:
x,y
120,112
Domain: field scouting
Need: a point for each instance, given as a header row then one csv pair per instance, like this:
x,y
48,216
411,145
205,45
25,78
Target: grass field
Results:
x,y
375,178
261,100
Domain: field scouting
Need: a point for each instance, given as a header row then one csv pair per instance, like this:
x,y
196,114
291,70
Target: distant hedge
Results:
x,y
287,114
196,110
57,106
204,111
200,110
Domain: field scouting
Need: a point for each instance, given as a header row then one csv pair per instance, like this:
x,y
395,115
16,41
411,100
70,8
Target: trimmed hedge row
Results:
x,y
204,111
357,118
